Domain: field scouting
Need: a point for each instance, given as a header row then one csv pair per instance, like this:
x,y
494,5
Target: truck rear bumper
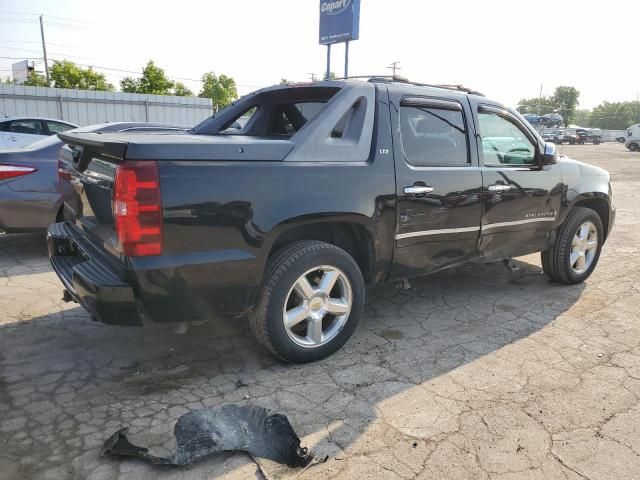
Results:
x,y
159,289
90,280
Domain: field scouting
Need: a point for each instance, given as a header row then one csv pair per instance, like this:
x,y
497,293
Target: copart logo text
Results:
x,y
335,7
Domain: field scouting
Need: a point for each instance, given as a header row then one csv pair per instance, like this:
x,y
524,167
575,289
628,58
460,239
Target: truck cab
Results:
x,y
632,141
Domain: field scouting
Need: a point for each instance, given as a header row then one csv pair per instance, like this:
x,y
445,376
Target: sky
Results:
x,y
505,49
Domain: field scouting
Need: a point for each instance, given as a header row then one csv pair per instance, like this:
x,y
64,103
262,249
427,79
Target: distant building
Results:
x,y
21,71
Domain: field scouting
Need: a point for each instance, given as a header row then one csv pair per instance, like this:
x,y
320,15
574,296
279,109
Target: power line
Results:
x,y
38,51
21,58
28,14
38,43
140,73
70,19
18,20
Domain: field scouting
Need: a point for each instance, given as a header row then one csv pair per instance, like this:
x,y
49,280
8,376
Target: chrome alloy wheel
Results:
x,y
317,306
583,248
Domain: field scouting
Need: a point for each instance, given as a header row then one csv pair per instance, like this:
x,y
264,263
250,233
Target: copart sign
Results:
x,y
339,20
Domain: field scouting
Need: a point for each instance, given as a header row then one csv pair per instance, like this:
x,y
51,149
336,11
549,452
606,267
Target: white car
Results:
x,y
21,131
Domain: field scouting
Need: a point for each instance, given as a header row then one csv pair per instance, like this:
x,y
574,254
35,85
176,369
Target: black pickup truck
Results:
x,y
284,205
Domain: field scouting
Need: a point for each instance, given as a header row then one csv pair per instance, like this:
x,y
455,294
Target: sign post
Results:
x,y
339,22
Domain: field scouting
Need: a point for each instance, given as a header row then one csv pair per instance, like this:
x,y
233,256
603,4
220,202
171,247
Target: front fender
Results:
x,y
585,184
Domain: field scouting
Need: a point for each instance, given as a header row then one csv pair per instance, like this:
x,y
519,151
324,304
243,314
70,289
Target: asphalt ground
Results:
x,y
472,373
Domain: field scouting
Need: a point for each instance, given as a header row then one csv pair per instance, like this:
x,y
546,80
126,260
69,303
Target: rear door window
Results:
x,y
58,127
434,135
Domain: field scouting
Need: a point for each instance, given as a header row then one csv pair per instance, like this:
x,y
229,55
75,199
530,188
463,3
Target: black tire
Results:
x,y
283,270
634,147
555,260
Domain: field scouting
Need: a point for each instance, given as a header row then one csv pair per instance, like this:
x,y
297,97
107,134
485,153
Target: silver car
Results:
x,y
21,131
30,196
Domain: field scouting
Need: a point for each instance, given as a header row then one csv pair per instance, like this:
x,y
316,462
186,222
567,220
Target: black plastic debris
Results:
x,y
240,383
201,433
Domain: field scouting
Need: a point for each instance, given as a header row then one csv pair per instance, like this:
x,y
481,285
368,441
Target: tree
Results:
x,y
180,90
566,101
615,116
583,118
66,74
222,90
153,81
537,105
284,81
6,81
35,80
563,101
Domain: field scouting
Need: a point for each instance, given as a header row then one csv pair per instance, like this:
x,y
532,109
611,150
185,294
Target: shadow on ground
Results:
x,y
68,383
23,254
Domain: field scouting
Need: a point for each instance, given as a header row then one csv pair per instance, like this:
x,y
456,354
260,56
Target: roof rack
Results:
x,y
400,79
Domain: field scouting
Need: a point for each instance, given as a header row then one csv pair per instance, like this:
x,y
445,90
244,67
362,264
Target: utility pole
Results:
x,y
394,66
312,76
44,50
540,101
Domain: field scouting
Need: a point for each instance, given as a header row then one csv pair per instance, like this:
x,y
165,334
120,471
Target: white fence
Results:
x,y
87,107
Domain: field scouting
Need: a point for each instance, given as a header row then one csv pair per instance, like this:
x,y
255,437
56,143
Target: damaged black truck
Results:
x,y
284,205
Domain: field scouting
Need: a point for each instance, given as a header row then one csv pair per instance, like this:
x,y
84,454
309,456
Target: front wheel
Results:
x,y
575,253
634,147
311,300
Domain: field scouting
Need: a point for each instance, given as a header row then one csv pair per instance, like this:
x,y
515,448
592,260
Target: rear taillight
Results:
x,y
13,171
63,173
137,208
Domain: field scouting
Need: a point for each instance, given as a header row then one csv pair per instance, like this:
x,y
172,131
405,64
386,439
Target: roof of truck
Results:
x,y
378,79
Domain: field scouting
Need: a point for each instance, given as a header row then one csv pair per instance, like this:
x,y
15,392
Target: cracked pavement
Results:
x,y
476,373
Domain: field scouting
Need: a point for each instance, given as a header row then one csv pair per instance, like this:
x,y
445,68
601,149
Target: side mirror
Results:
x,y
549,154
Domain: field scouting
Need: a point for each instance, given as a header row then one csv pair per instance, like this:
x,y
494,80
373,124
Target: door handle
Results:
x,y
498,187
418,189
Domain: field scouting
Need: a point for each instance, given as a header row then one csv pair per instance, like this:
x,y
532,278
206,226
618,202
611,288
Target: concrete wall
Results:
x,y
86,107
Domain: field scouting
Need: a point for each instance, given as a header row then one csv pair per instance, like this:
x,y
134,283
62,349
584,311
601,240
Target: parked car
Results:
x,y
329,186
595,136
21,131
583,135
30,196
632,142
570,136
552,135
551,120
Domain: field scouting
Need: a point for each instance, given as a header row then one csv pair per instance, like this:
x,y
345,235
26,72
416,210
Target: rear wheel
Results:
x,y
311,301
575,253
634,147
